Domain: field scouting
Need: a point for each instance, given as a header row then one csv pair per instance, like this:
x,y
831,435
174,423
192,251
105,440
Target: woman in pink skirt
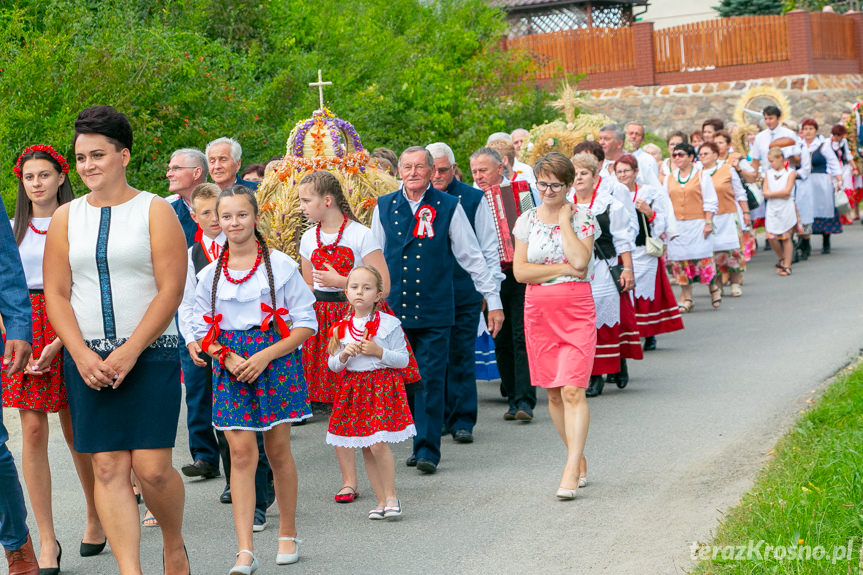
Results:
x,y
553,255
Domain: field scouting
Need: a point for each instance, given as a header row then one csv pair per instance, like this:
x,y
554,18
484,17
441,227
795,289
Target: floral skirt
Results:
x,y
827,225
370,407
45,392
278,395
688,271
729,261
323,382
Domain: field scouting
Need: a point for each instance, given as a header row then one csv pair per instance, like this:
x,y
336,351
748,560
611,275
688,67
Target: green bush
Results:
x,y
405,72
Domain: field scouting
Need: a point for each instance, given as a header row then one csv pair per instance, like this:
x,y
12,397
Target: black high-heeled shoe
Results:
x,y
53,570
92,549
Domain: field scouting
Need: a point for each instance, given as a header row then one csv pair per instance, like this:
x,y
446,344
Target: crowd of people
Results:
x,y
113,298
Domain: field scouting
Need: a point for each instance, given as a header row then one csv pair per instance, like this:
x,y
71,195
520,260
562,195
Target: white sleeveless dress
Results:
x,y
112,288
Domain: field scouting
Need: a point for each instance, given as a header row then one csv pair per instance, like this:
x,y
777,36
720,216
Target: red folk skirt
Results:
x,y
45,392
560,333
370,407
630,339
662,314
324,383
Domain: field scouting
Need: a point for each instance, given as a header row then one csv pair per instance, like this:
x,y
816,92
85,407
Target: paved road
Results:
x,y
666,455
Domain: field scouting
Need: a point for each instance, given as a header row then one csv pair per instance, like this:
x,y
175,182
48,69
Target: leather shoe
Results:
x,y
650,343
92,549
510,414
22,561
201,468
225,497
411,461
596,384
427,466
524,413
462,436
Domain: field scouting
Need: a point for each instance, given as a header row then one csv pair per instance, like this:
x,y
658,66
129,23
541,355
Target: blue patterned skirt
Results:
x,y
828,225
278,395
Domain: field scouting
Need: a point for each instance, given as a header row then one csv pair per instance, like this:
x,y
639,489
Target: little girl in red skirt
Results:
x,y
371,407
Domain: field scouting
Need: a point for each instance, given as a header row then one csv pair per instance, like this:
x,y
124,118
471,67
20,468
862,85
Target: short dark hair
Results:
x,y
685,148
771,111
677,134
722,134
809,122
710,146
590,147
838,130
106,121
715,122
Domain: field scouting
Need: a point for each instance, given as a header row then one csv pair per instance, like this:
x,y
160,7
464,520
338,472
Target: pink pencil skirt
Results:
x,y
560,332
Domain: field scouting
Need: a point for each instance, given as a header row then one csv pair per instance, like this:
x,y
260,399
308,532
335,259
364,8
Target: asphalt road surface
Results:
x,y
666,455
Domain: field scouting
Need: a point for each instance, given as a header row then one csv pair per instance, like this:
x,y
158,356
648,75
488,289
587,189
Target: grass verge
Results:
x,y
804,514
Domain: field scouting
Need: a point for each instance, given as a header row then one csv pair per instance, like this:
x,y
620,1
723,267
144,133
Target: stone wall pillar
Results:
x,y
642,41
800,41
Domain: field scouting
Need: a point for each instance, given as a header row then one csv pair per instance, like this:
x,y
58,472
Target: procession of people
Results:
x,y
115,299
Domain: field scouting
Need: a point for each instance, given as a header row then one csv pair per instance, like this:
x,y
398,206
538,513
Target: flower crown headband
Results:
x,y
64,165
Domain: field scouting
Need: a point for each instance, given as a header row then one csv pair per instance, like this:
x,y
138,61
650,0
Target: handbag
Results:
x,y
654,247
753,196
840,200
614,270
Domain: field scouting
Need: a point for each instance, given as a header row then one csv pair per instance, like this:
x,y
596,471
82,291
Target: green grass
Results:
x,y
810,494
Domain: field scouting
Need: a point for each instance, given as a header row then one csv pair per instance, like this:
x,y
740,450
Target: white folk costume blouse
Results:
x,y
240,304
690,243
544,243
186,312
112,271
606,298
32,251
357,242
781,215
814,196
729,192
645,266
389,337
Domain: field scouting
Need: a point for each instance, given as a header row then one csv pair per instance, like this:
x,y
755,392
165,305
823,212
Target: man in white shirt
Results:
x,y
425,233
648,169
773,132
520,170
510,350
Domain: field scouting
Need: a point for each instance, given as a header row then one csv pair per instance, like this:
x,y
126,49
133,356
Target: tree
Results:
x,y
404,71
728,8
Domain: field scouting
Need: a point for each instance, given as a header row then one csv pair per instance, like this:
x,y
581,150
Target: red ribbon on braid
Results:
x,y
213,333
373,325
279,323
338,328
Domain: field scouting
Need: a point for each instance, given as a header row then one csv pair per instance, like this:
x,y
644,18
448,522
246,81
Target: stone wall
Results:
x,y
685,106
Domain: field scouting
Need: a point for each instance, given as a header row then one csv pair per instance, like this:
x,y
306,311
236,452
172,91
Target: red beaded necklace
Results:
x,y
248,275
37,230
331,247
371,326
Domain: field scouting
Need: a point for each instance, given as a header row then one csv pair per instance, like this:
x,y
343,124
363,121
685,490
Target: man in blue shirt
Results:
x,y
17,315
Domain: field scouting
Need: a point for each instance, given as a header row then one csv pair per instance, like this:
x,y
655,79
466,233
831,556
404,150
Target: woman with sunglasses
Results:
x,y
690,253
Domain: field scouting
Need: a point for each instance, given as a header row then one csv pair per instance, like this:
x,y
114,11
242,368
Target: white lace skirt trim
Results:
x,y
369,440
265,427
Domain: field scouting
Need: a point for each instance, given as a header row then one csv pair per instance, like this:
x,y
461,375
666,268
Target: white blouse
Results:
x,y
186,312
356,237
390,338
32,250
240,304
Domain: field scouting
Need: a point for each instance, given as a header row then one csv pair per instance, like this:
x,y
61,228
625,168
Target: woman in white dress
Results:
x,y
690,253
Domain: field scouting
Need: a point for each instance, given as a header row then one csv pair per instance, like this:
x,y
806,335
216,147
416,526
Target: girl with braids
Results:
x,y
330,249
371,407
252,318
43,185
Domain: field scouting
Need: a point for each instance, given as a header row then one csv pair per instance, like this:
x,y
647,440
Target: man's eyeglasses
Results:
x,y
437,170
170,169
555,187
679,155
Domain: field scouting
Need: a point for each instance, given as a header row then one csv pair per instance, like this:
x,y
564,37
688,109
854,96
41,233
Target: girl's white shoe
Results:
x,y
245,569
288,558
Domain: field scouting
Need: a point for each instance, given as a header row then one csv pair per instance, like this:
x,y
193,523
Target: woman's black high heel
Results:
x,y
91,549
53,570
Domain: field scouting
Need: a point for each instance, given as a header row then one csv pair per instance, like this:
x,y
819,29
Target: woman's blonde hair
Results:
x,y
586,162
335,343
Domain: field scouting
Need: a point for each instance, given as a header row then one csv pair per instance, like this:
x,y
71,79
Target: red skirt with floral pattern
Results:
x,y
323,382
370,407
45,392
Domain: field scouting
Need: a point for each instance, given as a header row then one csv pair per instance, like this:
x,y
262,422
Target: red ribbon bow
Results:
x,y
373,325
425,218
279,323
338,328
214,331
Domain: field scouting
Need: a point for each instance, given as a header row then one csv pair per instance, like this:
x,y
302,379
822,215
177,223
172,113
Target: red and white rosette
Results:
x,y
425,217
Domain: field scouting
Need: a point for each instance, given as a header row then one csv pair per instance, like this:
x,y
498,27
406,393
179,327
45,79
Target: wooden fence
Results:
x,y
832,37
590,51
721,42
723,49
